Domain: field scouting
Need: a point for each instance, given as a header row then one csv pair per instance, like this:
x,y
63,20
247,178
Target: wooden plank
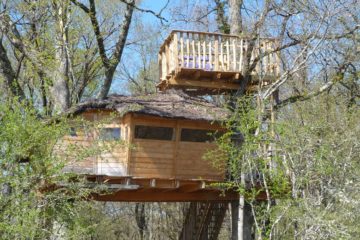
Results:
x,y
167,57
153,145
234,44
222,56
216,53
241,55
155,166
152,160
182,49
167,196
204,53
187,50
204,83
199,52
193,52
227,55
158,172
154,155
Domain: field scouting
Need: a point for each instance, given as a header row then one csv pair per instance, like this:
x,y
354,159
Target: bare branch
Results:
x,y
158,15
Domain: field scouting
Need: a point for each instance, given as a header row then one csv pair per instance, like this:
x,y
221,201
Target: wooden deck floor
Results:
x,y
129,189
201,82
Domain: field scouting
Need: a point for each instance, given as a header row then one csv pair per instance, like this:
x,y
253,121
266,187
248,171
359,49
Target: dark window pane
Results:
x,y
198,135
156,133
108,134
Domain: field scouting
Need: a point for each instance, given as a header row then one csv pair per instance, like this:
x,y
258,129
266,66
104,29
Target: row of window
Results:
x,y
162,133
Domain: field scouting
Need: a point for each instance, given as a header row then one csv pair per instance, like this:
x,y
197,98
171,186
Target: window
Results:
x,y
156,133
198,135
109,134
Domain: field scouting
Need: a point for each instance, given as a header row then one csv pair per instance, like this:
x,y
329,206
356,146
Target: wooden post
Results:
x,y
187,50
175,49
182,49
216,53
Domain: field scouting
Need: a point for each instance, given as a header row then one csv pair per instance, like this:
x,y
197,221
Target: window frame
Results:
x,y
211,130
173,137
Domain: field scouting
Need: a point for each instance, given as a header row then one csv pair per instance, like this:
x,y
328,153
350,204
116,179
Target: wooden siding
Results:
x,y
82,140
146,158
114,162
152,158
172,159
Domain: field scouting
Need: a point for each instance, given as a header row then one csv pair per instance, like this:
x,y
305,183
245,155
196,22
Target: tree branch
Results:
x,y
132,4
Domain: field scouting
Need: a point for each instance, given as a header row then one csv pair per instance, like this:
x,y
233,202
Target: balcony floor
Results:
x,y
202,82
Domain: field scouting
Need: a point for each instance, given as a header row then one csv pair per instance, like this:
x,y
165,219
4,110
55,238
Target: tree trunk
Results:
x,y
242,220
60,89
235,16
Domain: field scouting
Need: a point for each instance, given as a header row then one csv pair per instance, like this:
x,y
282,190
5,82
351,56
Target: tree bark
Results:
x,y
60,88
8,73
235,16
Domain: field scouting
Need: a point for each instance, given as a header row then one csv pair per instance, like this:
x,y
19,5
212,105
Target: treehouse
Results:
x,y
213,63
160,143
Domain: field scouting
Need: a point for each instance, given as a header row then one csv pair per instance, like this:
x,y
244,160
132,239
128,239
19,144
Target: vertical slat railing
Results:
x,y
227,55
182,49
241,55
175,51
215,52
210,53
193,54
204,52
221,57
187,54
199,51
234,43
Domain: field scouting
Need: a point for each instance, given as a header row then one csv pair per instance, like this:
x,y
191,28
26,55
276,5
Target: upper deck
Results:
x,y
209,63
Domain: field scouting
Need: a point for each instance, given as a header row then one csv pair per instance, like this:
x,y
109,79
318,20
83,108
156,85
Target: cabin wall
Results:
x,y
175,158
113,159
146,158
191,162
82,140
110,158
152,158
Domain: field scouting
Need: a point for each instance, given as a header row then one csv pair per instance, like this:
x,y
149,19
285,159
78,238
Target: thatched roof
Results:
x,y
170,104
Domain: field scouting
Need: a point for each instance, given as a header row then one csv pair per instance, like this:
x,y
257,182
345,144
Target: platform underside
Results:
x,y
203,82
130,189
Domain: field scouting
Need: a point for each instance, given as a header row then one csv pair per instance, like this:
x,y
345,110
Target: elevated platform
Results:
x,y
212,63
202,82
130,189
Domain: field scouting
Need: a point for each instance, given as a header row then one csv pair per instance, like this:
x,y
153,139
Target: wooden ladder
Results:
x,y
203,221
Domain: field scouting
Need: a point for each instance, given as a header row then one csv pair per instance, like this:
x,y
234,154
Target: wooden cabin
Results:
x,y
164,138
212,63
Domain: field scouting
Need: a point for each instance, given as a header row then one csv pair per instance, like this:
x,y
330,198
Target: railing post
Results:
x,y
160,65
175,50
216,53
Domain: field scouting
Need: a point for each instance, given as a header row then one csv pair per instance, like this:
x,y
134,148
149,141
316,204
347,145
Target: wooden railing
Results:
x,y
215,52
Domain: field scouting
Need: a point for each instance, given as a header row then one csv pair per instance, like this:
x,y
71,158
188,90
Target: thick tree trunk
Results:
x,y
235,16
60,88
9,75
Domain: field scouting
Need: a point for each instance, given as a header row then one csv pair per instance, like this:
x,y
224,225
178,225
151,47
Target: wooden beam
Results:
x,y
165,196
204,83
188,188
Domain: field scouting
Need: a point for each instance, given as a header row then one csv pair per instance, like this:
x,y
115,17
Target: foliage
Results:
x,y
33,203
305,167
